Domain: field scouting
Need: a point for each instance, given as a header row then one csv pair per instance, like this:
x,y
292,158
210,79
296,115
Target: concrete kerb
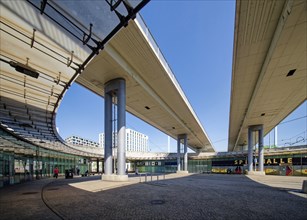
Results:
x,y
115,178
256,173
182,172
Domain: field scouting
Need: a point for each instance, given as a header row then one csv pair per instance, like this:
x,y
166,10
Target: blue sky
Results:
x,y
196,38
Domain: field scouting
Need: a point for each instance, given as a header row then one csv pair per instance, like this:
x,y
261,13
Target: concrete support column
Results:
x,y
11,169
260,150
250,149
275,137
97,165
115,87
108,133
185,157
121,127
178,153
252,129
31,171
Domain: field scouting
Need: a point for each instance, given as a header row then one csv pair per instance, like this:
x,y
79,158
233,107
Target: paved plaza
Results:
x,y
194,196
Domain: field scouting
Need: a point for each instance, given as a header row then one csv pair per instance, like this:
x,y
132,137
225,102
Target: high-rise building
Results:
x,y
101,140
135,141
75,140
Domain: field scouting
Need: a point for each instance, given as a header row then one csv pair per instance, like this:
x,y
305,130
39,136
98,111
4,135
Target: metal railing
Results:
x,y
153,177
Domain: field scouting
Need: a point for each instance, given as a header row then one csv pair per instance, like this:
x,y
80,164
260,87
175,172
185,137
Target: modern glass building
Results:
x,y
287,161
21,160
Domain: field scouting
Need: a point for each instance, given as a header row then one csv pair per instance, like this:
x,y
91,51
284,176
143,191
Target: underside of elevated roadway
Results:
x,y
269,76
153,93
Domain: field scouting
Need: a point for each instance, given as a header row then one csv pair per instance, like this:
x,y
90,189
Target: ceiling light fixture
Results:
x,y
19,67
22,68
291,72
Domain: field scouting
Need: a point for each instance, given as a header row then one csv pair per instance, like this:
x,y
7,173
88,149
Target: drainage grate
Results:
x,y
29,193
157,202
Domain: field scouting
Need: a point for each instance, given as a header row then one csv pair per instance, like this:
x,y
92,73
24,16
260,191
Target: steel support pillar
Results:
x,y
117,88
260,150
178,153
97,165
275,137
185,155
108,133
252,129
250,149
121,127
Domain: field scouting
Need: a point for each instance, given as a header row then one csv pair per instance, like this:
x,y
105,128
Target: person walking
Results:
x,y
56,172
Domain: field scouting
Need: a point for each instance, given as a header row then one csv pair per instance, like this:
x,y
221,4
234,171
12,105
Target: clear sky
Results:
x,y
196,38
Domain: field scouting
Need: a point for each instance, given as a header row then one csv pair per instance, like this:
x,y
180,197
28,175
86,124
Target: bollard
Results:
x,y
146,177
304,188
157,177
150,177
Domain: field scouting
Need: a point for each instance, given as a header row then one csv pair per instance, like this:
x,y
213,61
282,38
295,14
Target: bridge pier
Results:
x,y
115,88
251,129
185,155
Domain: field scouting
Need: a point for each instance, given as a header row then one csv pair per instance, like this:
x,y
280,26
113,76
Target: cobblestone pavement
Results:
x,y
201,196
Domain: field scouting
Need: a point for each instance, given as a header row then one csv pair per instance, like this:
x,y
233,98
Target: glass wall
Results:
x,y
21,161
294,164
150,166
16,168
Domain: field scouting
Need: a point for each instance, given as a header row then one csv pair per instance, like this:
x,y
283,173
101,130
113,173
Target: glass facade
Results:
x,y
294,164
21,161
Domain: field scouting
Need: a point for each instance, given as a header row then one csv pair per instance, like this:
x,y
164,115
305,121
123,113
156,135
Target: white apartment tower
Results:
x,y
135,141
101,140
75,140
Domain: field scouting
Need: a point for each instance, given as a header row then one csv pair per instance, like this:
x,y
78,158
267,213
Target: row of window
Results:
x,y
81,141
135,141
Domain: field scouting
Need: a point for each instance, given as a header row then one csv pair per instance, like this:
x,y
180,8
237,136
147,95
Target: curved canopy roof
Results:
x,y
269,75
46,45
43,49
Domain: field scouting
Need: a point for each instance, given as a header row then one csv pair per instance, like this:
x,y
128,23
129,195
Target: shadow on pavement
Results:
x,y
199,196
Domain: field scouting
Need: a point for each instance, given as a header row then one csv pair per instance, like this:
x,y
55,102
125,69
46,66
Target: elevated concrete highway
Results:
x,y
153,93
269,76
